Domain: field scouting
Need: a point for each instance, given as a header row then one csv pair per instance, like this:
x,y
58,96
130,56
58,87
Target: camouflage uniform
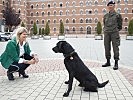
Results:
x,y
112,25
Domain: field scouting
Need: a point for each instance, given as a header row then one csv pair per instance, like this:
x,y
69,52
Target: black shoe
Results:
x,y
24,75
115,67
10,76
106,65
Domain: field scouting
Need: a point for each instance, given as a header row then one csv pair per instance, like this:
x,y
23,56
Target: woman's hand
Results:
x,y
32,61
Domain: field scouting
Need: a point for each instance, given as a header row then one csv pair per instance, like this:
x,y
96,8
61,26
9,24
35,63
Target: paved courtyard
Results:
x,y
46,81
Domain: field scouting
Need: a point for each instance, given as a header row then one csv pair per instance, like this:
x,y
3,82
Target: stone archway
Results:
x,y
88,30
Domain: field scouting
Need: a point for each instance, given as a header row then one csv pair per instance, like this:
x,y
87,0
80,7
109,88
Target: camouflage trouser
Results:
x,y
115,39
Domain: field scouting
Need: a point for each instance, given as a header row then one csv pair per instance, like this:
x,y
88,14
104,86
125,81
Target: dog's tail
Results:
x,y
100,85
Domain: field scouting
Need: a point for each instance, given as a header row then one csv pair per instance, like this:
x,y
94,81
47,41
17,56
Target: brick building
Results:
x,y
78,16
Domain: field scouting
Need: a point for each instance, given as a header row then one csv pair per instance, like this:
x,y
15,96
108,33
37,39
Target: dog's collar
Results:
x,y
69,55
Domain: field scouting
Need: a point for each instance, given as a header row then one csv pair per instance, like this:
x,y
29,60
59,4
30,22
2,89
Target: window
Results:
x,y
67,21
67,12
104,2
104,11
42,6
60,20
87,3
81,3
119,10
125,28
126,19
19,11
74,29
61,12
126,1
31,22
81,20
90,20
81,29
90,3
67,4
118,1
37,6
61,4
31,6
132,10
48,13
42,13
96,11
42,21
96,2
48,5
31,14
87,21
49,21
54,29
73,20
54,4
90,11
37,22
81,12
37,14
73,3
54,21
87,12
96,20
73,12
3,2
54,13
126,10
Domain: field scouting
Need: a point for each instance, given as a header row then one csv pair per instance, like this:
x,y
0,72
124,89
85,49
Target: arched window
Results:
x,y
49,21
126,19
74,29
90,20
67,12
42,6
96,20
87,12
126,10
31,6
48,5
55,13
73,12
81,29
37,6
90,11
119,10
81,20
54,4
104,11
73,3
67,21
54,21
31,14
61,12
54,29
87,3
87,21
96,2
125,28
61,4
42,13
48,13
19,11
31,22
81,12
73,20
42,21
37,22
67,3
96,11
81,3
104,2
37,14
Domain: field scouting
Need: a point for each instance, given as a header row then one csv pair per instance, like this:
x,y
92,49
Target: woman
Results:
x,y
17,55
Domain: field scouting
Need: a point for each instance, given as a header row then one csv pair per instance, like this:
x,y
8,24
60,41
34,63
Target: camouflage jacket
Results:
x,y
112,22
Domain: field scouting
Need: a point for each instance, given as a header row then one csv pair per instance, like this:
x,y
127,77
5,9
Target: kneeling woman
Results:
x,y
17,55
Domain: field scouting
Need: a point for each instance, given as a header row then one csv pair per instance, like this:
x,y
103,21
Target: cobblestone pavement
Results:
x,y
46,79
46,82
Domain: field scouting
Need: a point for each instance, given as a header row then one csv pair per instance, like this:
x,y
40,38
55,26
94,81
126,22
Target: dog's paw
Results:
x,y
66,82
65,94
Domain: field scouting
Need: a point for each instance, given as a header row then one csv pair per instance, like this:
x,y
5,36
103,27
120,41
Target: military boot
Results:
x,y
10,76
116,65
107,63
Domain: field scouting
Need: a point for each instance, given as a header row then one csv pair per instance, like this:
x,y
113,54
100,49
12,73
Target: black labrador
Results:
x,y
77,69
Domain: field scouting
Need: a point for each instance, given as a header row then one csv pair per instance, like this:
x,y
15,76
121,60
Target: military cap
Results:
x,y
111,2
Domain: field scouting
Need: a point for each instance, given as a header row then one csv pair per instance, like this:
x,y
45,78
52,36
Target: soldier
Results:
x,y
112,25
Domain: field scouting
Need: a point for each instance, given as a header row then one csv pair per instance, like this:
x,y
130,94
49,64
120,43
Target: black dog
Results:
x,y
76,68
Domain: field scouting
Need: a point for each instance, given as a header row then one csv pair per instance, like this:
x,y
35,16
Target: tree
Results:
x,y
11,17
99,28
34,29
22,24
43,31
130,27
47,29
40,31
61,31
